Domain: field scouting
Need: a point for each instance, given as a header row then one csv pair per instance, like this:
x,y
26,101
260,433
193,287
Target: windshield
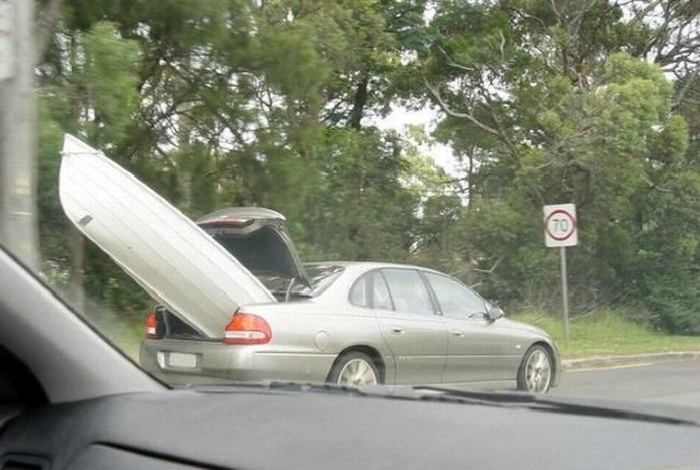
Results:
x,y
513,187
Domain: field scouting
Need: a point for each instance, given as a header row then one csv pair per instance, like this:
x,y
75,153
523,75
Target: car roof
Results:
x,y
367,265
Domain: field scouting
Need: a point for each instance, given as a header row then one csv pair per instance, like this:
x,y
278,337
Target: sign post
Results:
x,y
565,293
560,231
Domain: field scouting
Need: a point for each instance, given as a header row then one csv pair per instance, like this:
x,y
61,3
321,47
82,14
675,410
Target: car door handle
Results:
x,y
397,329
458,333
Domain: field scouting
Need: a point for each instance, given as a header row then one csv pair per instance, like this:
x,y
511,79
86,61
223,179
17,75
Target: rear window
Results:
x,y
359,294
370,290
320,277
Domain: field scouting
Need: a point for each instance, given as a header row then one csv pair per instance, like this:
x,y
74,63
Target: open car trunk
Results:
x,y
258,238
320,276
174,259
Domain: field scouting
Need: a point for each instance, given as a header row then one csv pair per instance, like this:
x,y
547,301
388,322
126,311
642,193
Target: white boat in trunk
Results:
x,y
162,249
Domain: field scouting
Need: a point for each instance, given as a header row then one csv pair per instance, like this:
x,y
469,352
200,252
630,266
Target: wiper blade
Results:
x,y
272,385
437,394
399,392
555,405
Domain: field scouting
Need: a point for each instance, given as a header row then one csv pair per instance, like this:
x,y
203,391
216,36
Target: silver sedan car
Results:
x,y
236,303
361,324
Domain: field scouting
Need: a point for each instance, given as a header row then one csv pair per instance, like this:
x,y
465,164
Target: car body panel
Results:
x,y
164,251
482,350
217,362
418,344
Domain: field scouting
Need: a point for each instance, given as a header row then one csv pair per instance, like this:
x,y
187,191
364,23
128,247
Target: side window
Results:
x,y
359,293
380,292
408,291
456,300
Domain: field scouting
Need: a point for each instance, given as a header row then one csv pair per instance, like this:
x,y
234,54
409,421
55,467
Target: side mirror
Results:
x,y
495,313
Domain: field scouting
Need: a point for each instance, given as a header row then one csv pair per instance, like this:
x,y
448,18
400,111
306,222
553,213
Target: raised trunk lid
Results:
x,y
258,238
176,261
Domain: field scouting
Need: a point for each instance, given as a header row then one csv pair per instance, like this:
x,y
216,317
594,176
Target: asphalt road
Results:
x,y
670,383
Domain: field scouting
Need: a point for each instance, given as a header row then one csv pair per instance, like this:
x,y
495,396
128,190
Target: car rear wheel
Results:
x,y
354,369
535,373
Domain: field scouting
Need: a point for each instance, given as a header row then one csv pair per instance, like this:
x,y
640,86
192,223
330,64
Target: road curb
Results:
x,y
605,361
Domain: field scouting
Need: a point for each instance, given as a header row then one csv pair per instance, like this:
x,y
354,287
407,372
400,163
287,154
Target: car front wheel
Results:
x,y
354,369
535,373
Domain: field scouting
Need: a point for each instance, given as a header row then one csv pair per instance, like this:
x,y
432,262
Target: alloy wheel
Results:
x,y
357,372
538,372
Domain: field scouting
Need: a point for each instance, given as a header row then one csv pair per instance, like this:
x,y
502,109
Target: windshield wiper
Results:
x,y
426,393
287,386
555,405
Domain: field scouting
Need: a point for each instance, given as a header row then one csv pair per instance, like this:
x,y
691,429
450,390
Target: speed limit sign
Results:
x,y
560,226
560,231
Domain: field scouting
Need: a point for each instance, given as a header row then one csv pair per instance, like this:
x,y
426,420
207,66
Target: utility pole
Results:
x,y
18,207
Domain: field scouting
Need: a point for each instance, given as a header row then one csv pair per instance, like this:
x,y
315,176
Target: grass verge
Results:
x,y
607,333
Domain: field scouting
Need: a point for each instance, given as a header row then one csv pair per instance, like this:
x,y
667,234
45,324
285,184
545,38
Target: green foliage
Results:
x,y
109,81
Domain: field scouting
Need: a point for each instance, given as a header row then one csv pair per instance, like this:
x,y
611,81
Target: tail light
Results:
x,y
151,325
246,328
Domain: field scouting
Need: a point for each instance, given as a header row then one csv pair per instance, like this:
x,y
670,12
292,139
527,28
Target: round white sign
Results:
x,y
560,226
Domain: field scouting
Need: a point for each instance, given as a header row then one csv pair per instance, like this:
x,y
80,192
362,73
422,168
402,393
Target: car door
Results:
x,y
412,328
479,350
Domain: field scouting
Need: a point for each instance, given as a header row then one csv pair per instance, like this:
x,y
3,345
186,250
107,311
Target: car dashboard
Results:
x,y
248,427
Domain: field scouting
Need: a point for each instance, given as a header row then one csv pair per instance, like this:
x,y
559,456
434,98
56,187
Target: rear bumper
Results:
x,y
182,362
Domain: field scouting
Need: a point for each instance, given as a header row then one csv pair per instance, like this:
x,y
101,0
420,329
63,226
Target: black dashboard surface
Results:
x,y
265,429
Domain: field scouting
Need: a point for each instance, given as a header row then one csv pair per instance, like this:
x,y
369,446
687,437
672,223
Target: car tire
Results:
x,y
353,369
536,370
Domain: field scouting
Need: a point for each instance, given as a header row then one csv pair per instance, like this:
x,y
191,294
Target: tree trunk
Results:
x,y
358,106
185,128
75,290
470,179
